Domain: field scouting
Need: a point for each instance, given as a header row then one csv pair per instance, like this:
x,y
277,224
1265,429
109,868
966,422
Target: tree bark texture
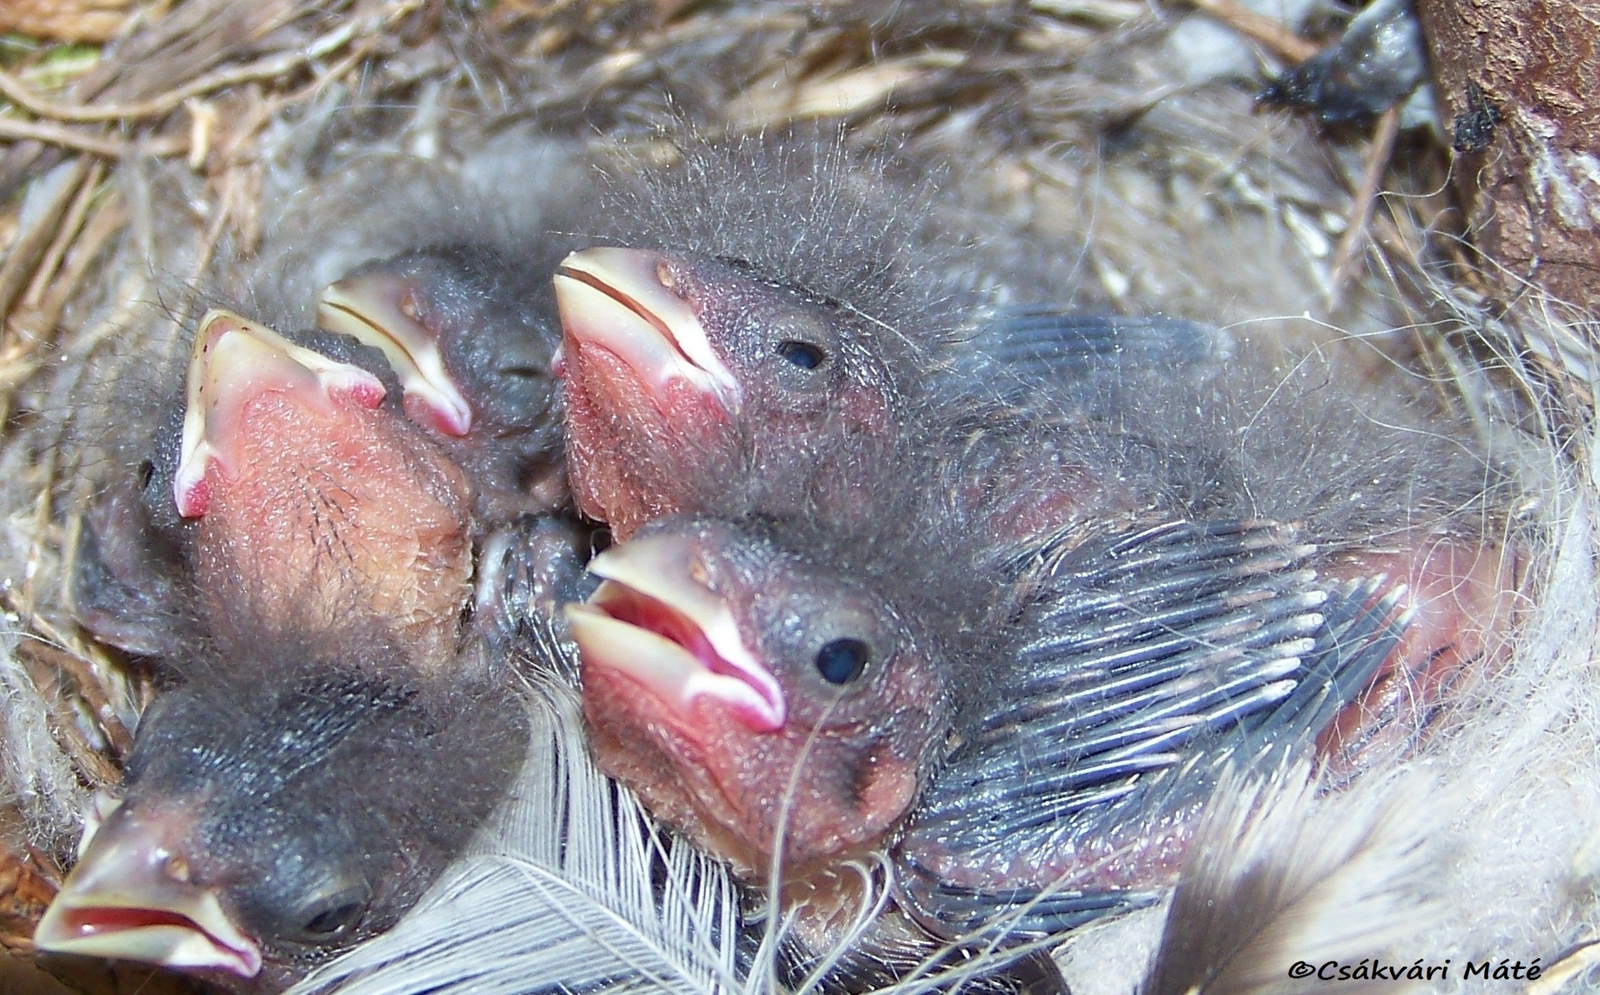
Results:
x,y
1519,87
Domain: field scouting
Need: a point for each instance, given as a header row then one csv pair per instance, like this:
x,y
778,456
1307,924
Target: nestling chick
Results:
x,y
750,693
1030,765
699,385
443,272
282,805
748,349
1149,625
471,336
696,384
288,487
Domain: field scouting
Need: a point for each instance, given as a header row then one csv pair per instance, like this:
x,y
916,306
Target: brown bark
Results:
x,y
1519,84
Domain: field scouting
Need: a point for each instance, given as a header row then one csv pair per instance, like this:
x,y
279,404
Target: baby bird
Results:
x,y
444,301
718,661
281,805
290,487
471,336
747,350
700,385
783,312
1030,757
697,384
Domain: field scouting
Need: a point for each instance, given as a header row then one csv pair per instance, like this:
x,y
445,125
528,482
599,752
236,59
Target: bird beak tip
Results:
x,y
615,299
379,310
77,926
233,360
123,902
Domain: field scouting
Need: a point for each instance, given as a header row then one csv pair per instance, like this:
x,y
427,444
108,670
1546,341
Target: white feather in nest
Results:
x,y
559,892
1525,774
1484,847
1472,850
1277,875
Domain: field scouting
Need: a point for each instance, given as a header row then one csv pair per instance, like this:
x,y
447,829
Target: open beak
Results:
x,y
235,360
653,621
616,300
380,310
130,898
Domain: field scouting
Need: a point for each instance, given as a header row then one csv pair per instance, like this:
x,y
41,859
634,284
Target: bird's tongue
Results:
x,y
614,301
629,607
650,620
130,898
380,310
234,365
92,921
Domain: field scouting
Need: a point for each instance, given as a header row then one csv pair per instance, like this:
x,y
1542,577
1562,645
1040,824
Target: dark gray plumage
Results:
x,y
281,806
485,328
1030,759
333,731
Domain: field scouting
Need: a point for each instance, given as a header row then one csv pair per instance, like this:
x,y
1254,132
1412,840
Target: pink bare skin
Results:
x,y
1463,597
312,501
693,385
703,659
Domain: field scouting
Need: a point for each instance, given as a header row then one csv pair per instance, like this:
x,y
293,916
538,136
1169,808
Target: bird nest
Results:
x,y
146,147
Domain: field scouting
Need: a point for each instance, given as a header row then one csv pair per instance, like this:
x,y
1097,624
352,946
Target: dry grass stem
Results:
x,y
1345,256
1282,42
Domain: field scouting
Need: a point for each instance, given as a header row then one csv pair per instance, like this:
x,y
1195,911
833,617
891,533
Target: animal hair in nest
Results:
x,y
1072,153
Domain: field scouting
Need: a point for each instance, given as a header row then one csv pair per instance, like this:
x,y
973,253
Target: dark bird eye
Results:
x,y
333,916
801,354
525,372
842,660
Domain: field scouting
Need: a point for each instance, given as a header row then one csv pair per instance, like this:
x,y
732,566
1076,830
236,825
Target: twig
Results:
x,y
280,64
100,145
88,684
1285,44
336,71
1344,255
33,240
71,221
38,323
95,767
48,648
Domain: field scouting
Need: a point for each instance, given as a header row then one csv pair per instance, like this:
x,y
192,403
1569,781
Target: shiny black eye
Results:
x,y
801,354
843,660
333,916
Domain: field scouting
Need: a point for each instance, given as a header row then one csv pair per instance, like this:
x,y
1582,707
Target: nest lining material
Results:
x,y
151,167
